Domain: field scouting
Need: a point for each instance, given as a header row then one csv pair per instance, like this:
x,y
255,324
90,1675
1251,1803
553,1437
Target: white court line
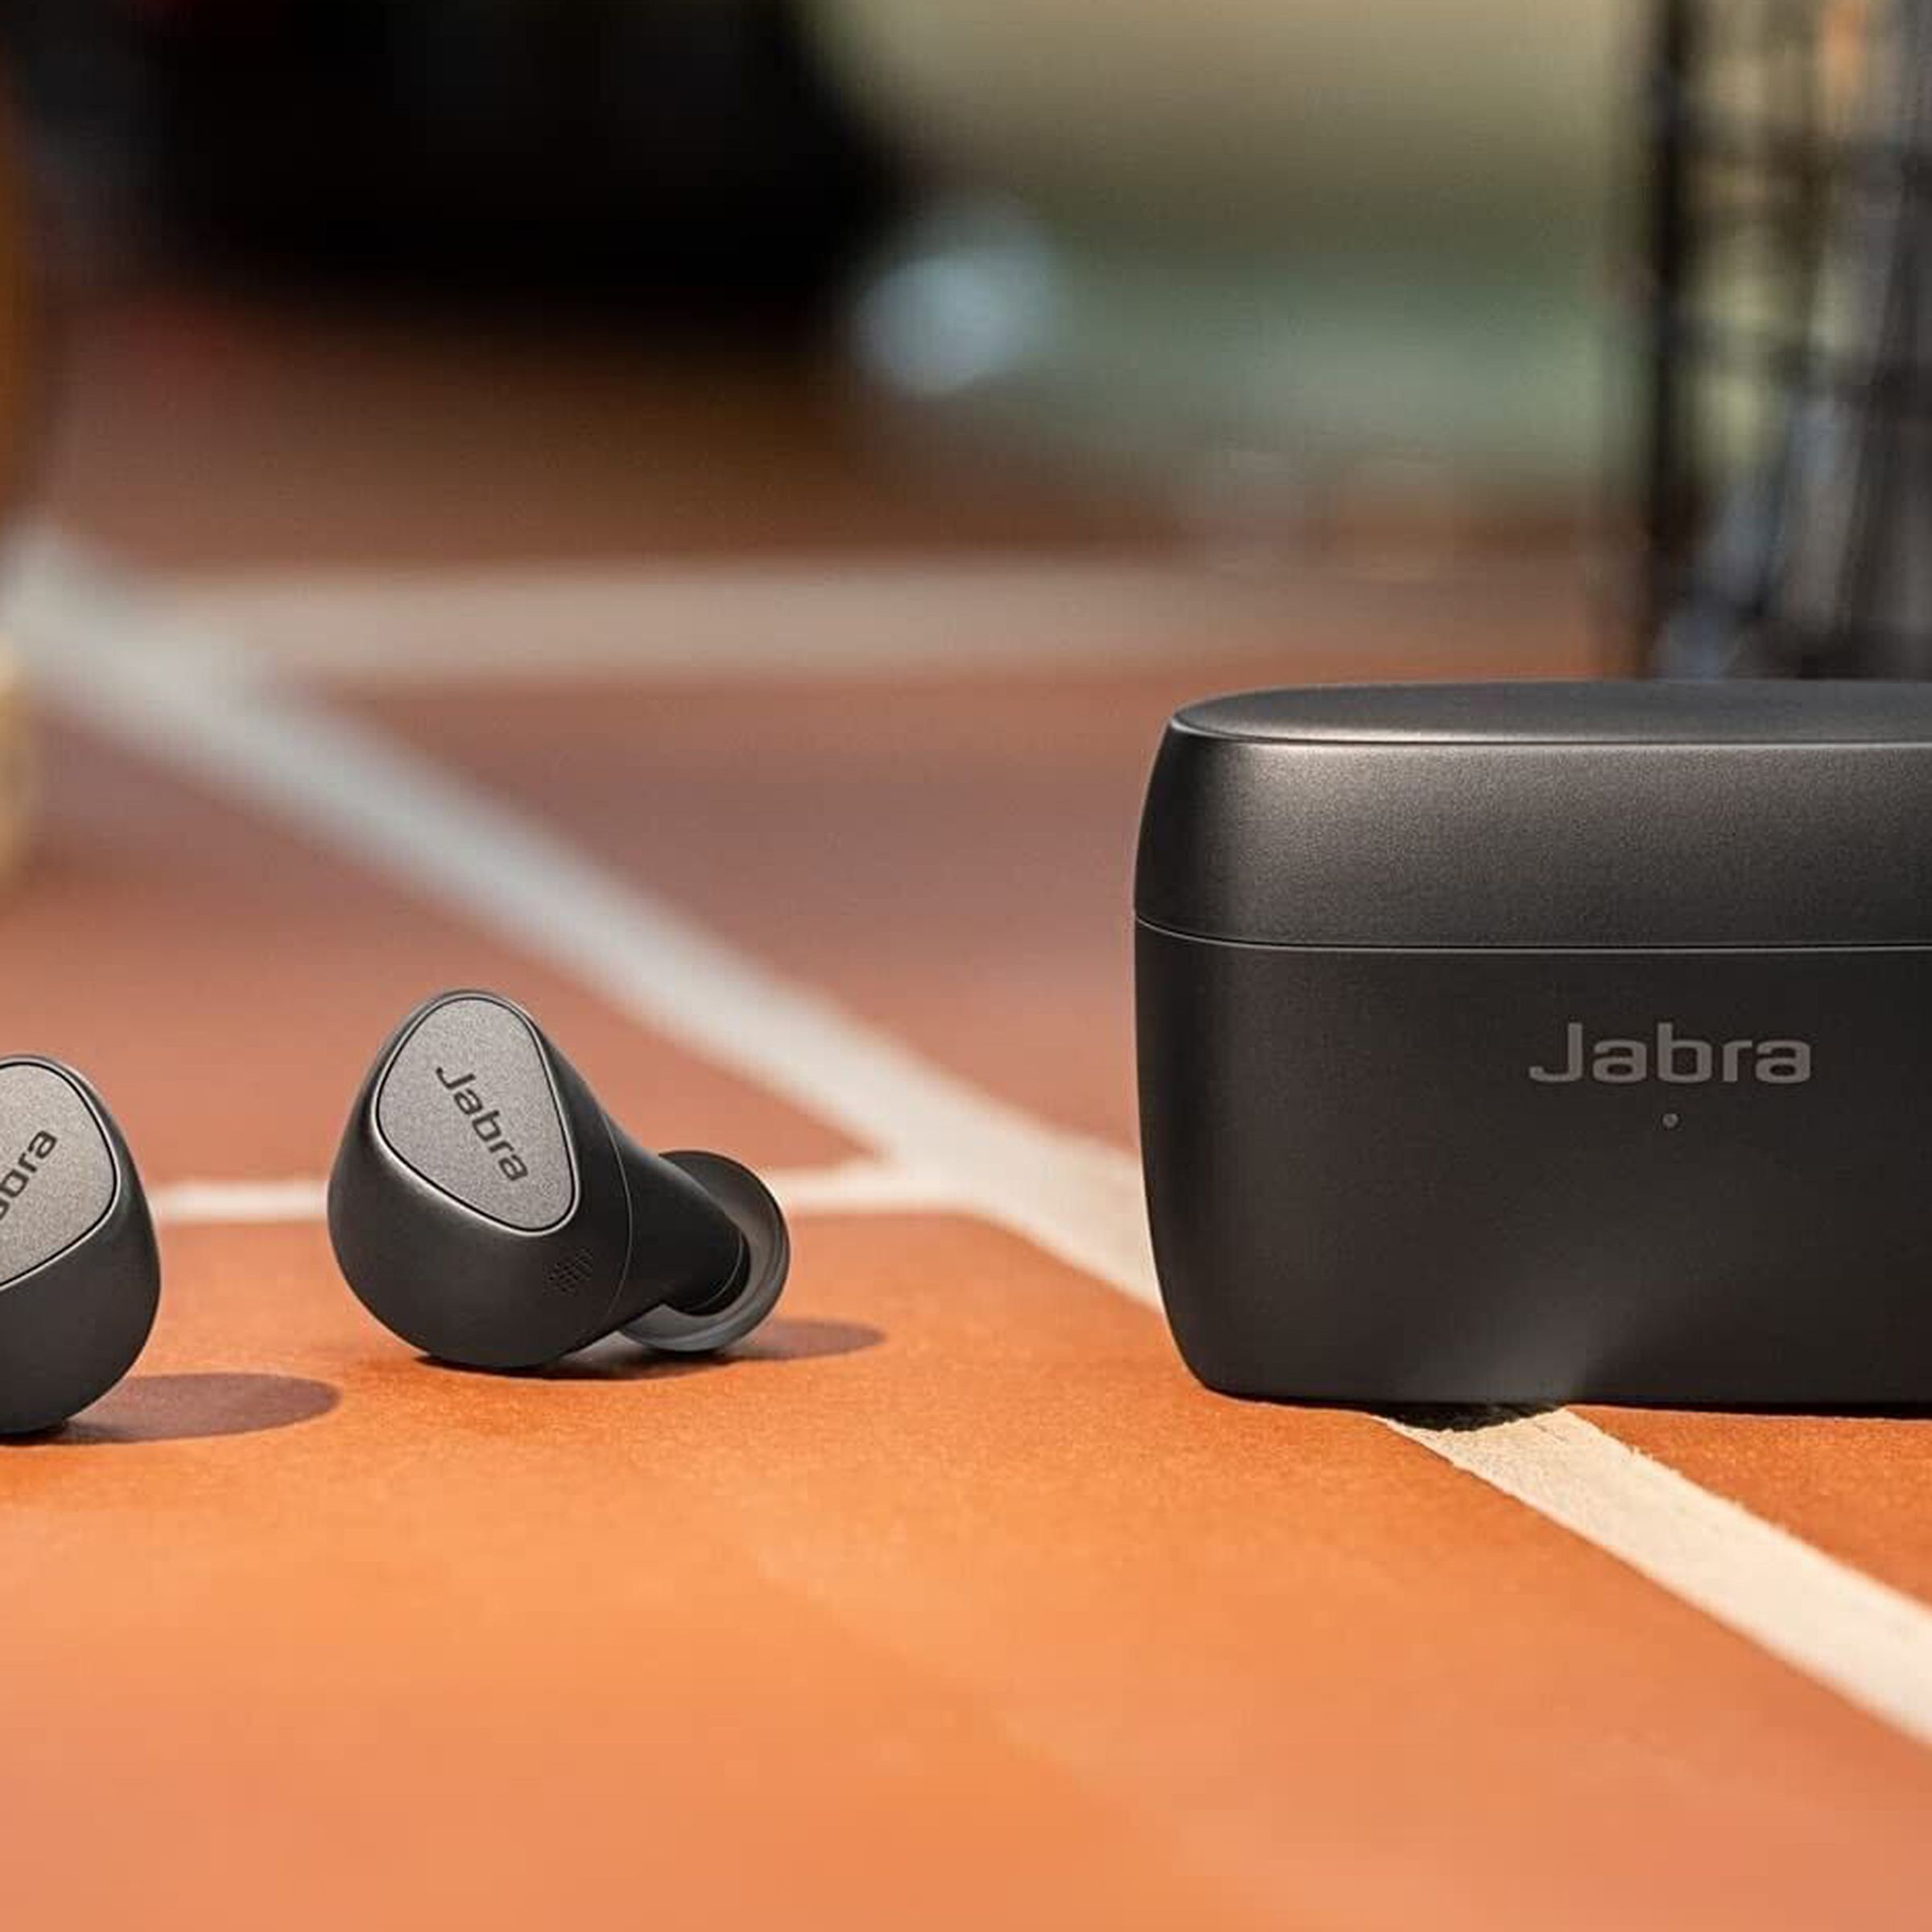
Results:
x,y
1866,1641
821,618
857,1187
829,617
111,659
237,1204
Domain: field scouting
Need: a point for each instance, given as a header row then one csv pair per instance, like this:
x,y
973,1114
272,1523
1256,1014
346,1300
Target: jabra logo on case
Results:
x,y
486,1123
18,1178
1676,1059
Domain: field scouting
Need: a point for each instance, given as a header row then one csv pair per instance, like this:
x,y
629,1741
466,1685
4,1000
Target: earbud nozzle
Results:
x,y
768,1259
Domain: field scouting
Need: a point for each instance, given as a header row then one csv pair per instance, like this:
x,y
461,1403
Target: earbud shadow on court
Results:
x,y
188,1408
617,1359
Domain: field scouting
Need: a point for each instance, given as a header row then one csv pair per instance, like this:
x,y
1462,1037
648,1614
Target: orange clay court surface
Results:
x,y
950,1600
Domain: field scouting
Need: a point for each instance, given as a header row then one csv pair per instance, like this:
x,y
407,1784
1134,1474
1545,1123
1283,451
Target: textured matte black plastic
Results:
x,y
642,1234
73,1327
1356,1190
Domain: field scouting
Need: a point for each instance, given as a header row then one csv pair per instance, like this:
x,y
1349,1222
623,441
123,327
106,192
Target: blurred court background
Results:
x,y
1249,282
694,512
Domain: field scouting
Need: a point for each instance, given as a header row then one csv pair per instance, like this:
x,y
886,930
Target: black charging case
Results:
x,y
1531,1042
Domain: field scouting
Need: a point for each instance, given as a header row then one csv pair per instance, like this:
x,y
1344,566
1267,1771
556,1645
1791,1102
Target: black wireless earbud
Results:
x,y
80,1277
484,1208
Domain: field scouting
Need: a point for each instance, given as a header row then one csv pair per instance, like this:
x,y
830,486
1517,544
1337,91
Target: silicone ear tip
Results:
x,y
768,1247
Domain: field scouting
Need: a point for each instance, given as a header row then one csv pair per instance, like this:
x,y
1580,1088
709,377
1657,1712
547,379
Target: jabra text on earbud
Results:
x,y
80,1277
483,1209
